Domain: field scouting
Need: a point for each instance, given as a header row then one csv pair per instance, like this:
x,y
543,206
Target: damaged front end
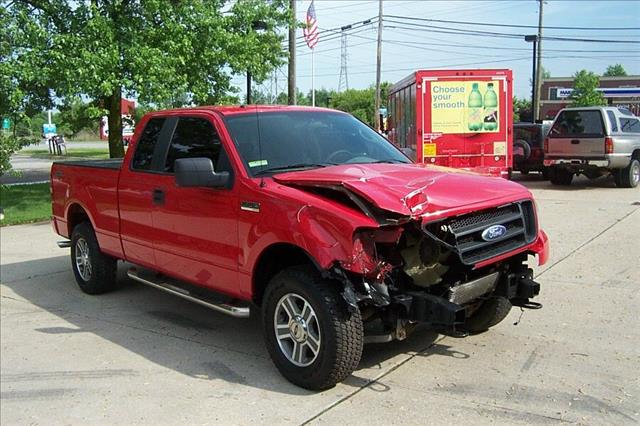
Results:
x,y
439,272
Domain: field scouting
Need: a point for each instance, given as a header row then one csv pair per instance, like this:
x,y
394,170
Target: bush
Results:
x,y
8,145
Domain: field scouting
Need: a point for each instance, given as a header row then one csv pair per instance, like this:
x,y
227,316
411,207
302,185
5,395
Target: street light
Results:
x,y
533,39
256,26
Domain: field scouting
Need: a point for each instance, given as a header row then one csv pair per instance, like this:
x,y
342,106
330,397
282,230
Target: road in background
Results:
x,y
32,170
138,355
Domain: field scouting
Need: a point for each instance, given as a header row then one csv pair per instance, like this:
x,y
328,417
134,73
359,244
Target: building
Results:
x,y
618,91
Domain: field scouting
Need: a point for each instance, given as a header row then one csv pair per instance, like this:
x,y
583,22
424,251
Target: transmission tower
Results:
x,y
343,83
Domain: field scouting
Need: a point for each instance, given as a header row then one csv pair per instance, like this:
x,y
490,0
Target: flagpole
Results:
x,y
313,86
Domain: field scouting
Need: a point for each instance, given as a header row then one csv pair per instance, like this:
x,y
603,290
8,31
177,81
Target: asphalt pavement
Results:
x,y
138,355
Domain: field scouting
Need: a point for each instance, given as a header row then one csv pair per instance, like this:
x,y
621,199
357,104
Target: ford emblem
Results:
x,y
494,232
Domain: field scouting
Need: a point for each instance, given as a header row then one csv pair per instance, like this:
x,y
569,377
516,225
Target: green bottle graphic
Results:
x,y
475,109
490,120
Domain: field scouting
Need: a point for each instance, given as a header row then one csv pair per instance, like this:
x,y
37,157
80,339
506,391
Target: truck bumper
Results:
x,y
609,161
517,286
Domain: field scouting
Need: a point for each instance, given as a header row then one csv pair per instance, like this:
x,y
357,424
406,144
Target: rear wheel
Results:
x,y
629,177
313,339
94,271
559,176
491,312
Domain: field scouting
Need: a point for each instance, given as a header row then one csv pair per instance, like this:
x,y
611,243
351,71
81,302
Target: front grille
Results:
x,y
464,232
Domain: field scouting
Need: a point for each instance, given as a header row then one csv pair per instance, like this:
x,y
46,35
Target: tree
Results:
x,y
360,103
522,109
161,52
76,116
584,92
616,70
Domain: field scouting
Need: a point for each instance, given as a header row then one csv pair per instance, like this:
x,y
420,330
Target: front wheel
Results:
x,y
95,272
313,339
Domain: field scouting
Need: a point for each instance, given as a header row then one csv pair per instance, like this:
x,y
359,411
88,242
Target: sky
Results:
x,y
408,45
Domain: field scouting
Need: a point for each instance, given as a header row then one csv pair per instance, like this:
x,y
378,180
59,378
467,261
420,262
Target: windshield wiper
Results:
x,y
293,167
390,161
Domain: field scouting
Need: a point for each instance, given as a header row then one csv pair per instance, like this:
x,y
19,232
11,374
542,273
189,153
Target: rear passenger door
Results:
x,y
197,228
135,192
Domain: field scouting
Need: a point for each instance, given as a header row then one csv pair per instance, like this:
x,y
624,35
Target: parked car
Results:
x,y
528,147
309,216
594,141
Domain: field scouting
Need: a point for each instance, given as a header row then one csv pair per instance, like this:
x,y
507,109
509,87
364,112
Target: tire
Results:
x,y
335,333
526,148
560,176
95,272
545,173
629,177
491,312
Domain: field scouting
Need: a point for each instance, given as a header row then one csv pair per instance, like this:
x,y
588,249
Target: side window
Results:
x,y
612,121
147,143
630,125
196,137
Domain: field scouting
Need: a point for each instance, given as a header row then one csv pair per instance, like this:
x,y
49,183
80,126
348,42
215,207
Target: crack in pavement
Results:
x,y
586,243
370,382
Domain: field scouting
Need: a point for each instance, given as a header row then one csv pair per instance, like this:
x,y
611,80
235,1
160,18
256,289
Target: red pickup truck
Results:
x,y
309,216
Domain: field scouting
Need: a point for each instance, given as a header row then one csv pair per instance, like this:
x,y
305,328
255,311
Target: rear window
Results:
x,y
577,123
612,121
146,145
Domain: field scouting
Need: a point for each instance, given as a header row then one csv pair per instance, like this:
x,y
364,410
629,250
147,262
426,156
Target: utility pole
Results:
x,y
343,82
378,61
533,39
292,53
536,106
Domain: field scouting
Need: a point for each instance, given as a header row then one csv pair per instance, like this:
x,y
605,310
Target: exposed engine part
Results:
x,y
423,260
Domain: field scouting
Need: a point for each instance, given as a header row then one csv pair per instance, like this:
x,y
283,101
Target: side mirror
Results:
x,y
198,171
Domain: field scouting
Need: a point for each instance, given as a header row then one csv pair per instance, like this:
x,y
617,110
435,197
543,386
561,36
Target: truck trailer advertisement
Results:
x,y
459,118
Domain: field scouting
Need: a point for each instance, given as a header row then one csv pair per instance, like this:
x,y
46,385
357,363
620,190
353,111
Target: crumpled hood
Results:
x,y
409,189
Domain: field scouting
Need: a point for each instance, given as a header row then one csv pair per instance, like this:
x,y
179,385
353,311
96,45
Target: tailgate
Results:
x,y
577,134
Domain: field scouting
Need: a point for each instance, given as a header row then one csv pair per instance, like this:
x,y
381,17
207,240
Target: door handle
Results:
x,y
575,141
158,196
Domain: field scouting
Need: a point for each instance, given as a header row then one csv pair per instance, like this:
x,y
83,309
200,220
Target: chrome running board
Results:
x,y
177,288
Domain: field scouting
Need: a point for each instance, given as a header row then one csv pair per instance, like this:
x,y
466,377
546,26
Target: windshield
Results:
x,y
305,139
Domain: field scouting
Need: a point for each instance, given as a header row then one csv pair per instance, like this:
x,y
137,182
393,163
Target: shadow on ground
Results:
x,y
184,336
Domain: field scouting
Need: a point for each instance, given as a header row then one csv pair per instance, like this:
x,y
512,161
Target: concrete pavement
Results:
x,y
141,356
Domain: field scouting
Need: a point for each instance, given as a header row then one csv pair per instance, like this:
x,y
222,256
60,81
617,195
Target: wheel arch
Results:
x,y
76,214
273,259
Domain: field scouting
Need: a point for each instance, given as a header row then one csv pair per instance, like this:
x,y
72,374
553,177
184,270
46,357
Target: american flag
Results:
x,y
311,30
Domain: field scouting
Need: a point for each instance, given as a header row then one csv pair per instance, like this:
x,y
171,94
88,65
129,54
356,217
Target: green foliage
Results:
x,y
521,109
8,145
361,103
76,116
584,92
616,70
155,49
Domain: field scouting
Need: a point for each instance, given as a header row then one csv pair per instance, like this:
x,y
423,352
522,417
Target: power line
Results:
x,y
447,30
487,24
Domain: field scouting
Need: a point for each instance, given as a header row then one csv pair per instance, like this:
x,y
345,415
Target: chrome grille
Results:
x,y
464,232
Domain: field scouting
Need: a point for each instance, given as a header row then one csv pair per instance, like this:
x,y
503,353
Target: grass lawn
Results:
x,y
72,153
25,203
